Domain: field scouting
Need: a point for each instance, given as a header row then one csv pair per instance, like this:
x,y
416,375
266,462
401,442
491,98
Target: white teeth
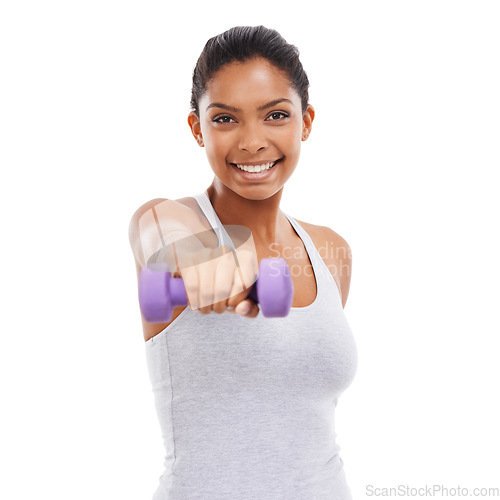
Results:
x,y
256,168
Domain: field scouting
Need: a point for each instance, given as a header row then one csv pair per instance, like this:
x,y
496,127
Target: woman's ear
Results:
x,y
307,120
194,125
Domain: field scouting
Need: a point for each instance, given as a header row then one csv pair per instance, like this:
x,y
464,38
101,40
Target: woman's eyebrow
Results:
x,y
260,108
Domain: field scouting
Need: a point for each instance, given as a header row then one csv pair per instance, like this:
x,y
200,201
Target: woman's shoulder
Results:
x,y
145,207
182,209
335,252
324,234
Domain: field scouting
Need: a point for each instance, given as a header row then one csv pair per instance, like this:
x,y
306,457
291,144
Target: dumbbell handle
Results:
x,y
179,296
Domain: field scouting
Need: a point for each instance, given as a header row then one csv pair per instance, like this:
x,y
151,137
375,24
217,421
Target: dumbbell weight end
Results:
x,y
159,293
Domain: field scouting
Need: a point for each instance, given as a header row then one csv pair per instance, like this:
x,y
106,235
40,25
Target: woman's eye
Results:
x,y
217,120
278,113
276,116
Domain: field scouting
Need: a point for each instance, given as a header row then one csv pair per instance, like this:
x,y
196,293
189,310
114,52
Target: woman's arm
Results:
x,y
161,229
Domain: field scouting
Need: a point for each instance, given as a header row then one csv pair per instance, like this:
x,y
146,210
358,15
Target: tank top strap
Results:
x,y
311,249
321,270
209,212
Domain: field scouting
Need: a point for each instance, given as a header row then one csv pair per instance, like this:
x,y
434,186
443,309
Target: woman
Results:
x,y
247,407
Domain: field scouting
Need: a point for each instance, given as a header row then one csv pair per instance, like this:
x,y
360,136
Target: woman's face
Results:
x,y
251,115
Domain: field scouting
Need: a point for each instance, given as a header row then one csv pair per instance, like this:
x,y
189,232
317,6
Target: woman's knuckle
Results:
x,y
219,307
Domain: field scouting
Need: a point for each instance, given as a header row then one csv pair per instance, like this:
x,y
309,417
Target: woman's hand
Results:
x,y
219,280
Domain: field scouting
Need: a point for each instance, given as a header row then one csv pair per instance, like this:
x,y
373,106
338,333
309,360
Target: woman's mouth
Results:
x,y
255,172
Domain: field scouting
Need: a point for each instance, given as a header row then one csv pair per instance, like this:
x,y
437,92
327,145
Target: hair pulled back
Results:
x,y
242,43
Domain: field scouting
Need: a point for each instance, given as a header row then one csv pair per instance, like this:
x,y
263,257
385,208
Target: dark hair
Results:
x,y
242,43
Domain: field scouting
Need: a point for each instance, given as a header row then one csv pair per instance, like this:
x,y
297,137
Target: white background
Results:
x,y
402,162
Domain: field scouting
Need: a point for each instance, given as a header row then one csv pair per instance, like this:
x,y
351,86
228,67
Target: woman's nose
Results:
x,y
252,139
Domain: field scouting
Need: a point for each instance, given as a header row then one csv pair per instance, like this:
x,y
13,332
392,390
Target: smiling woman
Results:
x,y
246,403
266,122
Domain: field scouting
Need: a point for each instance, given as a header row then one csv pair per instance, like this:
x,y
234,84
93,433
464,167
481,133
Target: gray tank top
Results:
x,y
247,405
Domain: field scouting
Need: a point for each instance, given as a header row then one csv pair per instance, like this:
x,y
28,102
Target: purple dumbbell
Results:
x,y
159,293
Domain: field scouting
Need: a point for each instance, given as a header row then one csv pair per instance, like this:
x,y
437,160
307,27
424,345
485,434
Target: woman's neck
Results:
x,y
264,218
